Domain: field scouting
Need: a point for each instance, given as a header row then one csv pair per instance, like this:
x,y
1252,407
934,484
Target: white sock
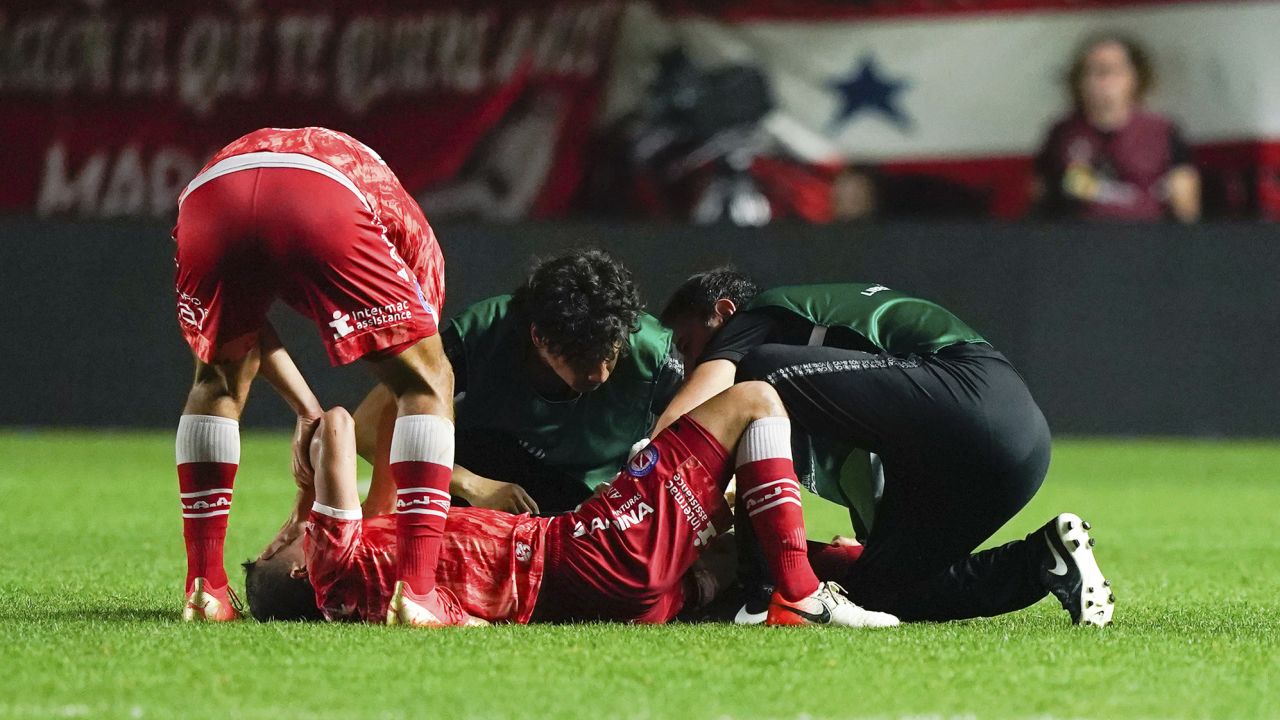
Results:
x,y
207,438
764,439
422,438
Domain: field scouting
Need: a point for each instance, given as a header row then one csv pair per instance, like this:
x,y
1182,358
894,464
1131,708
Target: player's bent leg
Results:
x,y
375,422
751,417
421,464
207,450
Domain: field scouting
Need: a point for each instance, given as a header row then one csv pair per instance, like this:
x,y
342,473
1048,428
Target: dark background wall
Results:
x,y
1118,329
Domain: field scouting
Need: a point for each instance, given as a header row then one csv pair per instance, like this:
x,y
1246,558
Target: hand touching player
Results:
x,y
303,431
493,494
304,476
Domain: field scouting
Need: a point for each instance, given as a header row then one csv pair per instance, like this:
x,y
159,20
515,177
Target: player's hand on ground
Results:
x,y
498,495
303,432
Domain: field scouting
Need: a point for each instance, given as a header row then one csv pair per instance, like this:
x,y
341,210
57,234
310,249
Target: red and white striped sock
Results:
x,y
770,494
207,449
421,465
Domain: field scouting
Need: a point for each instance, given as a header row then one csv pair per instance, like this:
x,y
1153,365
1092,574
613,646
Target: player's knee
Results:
x,y
758,399
336,422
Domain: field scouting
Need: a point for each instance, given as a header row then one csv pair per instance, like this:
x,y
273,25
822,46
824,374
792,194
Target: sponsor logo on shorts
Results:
x,y
628,515
374,316
191,311
644,462
523,552
873,290
692,509
341,324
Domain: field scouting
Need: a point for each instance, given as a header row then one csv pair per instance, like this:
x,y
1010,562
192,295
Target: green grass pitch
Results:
x,y
91,563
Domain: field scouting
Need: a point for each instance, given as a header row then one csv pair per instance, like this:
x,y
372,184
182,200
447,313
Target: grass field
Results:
x,y
91,563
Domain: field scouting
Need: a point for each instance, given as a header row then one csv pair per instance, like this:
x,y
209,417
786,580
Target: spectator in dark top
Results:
x,y
1111,158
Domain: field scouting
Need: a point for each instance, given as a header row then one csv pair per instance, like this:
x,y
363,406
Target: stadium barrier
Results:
x,y
1119,330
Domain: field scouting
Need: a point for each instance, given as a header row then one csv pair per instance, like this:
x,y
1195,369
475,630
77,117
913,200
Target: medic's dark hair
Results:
x,y
697,296
583,304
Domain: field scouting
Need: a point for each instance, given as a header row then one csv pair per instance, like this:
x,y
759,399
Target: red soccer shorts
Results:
x,y
623,554
249,237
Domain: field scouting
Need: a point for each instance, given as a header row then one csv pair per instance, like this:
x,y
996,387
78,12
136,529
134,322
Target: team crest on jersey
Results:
x,y
644,462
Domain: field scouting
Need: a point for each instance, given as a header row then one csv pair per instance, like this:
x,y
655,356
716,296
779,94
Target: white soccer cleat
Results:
x,y
438,608
1074,577
826,606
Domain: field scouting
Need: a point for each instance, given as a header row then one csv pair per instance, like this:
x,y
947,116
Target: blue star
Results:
x,y
867,89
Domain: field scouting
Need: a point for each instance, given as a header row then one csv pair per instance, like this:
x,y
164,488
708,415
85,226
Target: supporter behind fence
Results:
x,y
1111,158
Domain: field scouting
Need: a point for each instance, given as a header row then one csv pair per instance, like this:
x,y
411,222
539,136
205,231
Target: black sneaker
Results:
x,y
755,609
1071,572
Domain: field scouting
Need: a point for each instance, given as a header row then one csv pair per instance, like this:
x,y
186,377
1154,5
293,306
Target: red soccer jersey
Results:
x,y
493,561
401,217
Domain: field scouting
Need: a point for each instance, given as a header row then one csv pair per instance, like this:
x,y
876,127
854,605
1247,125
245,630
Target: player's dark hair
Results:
x,y
1139,58
274,594
583,304
697,296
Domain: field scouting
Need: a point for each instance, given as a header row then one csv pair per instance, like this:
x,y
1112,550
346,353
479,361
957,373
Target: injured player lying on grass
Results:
x,y
621,556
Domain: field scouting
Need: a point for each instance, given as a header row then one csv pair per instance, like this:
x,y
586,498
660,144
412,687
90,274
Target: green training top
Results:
x,y
888,320
585,437
854,316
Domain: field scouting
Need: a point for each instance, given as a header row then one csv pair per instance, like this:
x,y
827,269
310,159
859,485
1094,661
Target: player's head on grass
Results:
x,y
702,304
278,588
581,308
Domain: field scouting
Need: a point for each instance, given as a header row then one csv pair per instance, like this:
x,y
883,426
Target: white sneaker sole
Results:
x,y
747,618
1097,603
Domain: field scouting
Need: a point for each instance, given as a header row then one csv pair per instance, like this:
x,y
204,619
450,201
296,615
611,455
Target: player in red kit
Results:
x,y
315,218
622,556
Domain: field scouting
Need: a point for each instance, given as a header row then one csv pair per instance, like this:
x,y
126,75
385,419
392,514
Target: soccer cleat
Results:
x,y
756,608
1074,577
210,604
438,608
825,606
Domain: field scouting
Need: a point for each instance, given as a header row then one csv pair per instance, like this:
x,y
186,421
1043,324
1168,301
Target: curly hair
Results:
x,y
697,296
583,304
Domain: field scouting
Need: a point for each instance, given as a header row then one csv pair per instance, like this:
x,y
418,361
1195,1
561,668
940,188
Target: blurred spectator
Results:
x,y
855,194
1111,158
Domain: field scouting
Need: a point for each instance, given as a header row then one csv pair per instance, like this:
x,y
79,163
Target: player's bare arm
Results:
x,y
706,381
278,369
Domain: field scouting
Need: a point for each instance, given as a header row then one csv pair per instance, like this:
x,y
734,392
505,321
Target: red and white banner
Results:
x,y
107,108
967,90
